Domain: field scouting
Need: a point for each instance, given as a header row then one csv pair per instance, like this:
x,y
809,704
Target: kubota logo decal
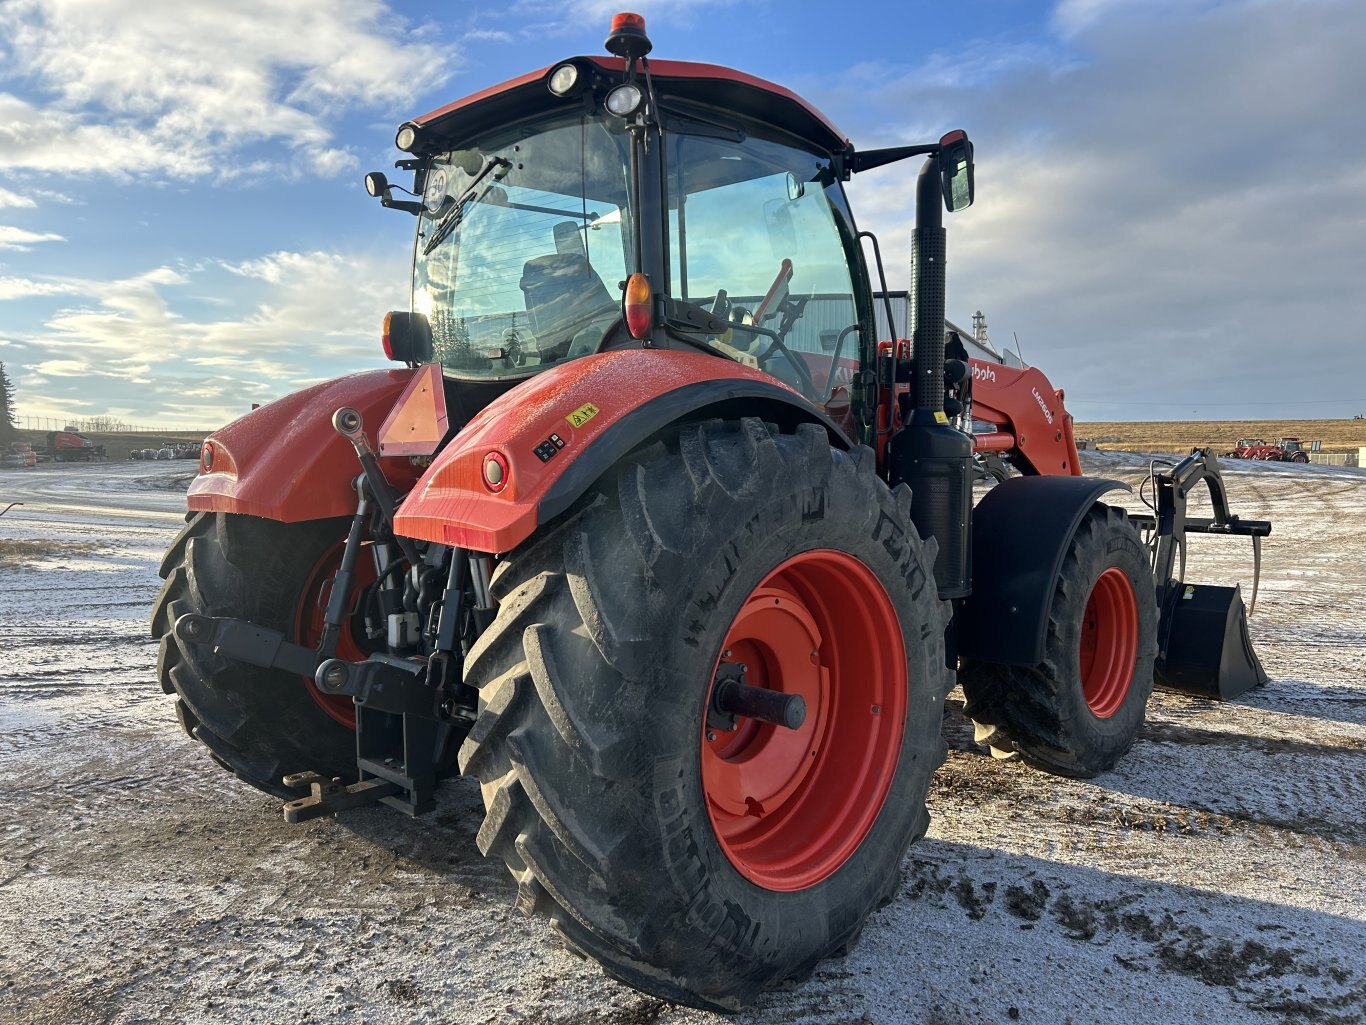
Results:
x,y
1047,413
582,415
981,373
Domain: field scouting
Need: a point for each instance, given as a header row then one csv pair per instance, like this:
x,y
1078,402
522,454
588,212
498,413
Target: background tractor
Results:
x,y
654,537
1286,450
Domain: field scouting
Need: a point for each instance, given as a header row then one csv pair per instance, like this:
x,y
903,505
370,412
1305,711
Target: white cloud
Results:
x,y
483,35
62,368
22,240
148,87
286,319
27,288
1163,219
8,198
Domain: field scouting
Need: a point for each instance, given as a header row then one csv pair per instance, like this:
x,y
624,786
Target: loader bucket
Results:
x,y
1203,645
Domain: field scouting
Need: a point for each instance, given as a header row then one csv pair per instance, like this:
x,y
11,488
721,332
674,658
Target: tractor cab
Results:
x,y
719,195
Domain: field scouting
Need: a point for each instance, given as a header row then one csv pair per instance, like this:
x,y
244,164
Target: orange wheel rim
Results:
x,y
1109,643
789,807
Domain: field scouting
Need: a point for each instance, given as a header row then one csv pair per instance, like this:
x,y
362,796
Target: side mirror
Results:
x,y
955,164
407,337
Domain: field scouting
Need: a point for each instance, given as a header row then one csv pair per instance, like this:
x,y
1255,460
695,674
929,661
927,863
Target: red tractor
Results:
x,y
653,536
1293,450
1287,450
1250,448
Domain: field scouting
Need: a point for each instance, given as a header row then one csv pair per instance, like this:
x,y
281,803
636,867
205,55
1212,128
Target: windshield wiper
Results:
x,y
477,188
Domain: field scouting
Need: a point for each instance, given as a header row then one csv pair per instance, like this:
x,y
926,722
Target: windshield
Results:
x,y
527,238
756,238
520,264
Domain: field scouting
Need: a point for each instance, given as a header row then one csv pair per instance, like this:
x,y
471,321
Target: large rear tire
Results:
x,y
1078,711
260,723
701,868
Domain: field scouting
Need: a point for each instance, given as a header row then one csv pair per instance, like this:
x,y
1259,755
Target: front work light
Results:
x,y
406,139
563,79
625,100
376,184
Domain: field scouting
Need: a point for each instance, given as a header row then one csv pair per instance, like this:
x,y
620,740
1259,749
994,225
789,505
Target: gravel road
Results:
x,y
1219,874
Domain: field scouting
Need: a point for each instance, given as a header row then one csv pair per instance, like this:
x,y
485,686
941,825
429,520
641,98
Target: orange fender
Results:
x,y
285,461
556,434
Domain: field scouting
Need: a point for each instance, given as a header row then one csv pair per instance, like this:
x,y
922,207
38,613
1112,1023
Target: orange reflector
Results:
x,y
639,305
418,422
628,20
388,345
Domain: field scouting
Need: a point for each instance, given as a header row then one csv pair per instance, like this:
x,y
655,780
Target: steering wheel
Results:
x,y
803,375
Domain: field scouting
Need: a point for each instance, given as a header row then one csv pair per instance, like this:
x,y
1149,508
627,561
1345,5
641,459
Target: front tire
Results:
x,y
1078,711
637,834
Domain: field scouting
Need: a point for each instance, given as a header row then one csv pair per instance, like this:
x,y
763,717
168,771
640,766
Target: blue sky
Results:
x,y
1171,193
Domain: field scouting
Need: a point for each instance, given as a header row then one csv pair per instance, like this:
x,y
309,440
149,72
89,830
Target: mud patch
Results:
x,y
18,553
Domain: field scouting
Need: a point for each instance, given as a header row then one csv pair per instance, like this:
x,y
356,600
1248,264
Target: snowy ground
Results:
x,y
1218,875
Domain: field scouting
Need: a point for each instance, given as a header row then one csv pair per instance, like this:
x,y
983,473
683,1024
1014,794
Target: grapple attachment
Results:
x,y
1203,646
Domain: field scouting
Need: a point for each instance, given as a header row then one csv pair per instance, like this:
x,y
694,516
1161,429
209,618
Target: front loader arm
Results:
x,y
1032,426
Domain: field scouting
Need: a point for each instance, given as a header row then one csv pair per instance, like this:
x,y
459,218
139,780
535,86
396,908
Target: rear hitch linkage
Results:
x,y
403,703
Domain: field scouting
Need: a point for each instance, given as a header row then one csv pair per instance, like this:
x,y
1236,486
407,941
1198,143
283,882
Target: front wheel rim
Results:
x,y
1109,643
790,807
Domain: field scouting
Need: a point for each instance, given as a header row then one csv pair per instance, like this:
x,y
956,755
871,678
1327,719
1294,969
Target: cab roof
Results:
x,y
708,85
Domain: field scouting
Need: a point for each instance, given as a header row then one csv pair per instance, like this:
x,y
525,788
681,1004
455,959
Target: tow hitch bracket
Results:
x,y
330,796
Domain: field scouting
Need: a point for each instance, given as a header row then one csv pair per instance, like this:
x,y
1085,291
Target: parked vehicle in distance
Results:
x,y
1286,450
70,446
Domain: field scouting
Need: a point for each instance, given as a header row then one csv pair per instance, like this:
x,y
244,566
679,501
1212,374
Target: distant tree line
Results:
x,y
8,428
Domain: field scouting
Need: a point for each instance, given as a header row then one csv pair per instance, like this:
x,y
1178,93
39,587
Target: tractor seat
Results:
x,y
564,296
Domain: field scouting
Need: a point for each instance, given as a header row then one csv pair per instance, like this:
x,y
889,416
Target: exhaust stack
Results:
x,y
931,456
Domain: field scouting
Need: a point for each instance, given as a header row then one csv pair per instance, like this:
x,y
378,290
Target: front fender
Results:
x,y
1021,530
284,461
561,430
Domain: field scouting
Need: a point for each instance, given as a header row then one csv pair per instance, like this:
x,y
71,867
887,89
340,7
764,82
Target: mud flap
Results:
x,y
1203,645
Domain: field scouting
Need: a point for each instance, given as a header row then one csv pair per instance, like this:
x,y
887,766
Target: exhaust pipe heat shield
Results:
x,y
1205,649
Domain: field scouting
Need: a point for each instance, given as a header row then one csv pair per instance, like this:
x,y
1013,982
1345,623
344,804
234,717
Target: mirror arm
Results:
x,y
866,160
390,203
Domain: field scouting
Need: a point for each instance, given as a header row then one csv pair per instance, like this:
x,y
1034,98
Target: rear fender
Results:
x,y
563,429
285,461
1021,530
